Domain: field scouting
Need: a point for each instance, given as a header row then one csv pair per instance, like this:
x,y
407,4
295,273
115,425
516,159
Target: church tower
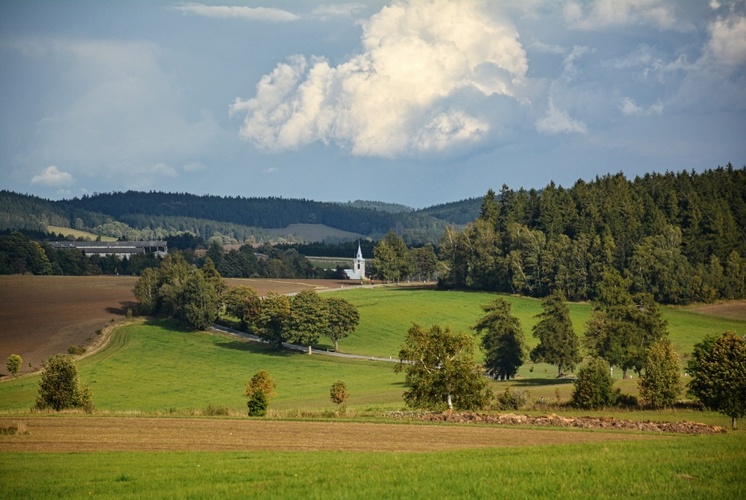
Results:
x,y
358,267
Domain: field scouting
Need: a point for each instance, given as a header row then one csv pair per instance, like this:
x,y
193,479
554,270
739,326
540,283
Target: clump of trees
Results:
x,y
59,386
718,371
182,291
393,261
259,389
304,318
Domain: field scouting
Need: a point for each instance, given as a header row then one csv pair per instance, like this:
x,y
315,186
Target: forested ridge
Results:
x,y
155,215
678,236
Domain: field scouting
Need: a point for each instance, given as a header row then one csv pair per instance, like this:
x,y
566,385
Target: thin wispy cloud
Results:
x,y
238,12
52,177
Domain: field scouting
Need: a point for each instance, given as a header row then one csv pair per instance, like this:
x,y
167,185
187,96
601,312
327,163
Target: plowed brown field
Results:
x,y
44,315
85,434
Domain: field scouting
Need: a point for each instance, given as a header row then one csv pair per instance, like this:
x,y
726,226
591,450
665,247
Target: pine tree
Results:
x,y
558,343
502,340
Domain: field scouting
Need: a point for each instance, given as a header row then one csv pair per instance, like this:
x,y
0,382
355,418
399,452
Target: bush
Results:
x,y
257,404
76,350
13,364
512,400
594,387
212,411
338,392
660,385
59,387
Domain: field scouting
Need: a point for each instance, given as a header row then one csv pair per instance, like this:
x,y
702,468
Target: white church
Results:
x,y
358,266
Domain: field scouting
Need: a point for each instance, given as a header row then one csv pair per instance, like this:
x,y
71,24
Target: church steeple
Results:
x,y
358,267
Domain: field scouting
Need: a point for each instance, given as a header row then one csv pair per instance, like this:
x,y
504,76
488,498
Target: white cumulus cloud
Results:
x,y
238,12
53,177
405,93
728,40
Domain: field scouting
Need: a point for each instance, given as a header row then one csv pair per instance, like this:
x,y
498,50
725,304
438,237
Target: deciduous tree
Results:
x,y
342,317
272,321
660,384
440,370
718,370
308,318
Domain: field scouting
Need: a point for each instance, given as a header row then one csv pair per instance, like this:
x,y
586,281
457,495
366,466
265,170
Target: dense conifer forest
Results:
x,y
678,236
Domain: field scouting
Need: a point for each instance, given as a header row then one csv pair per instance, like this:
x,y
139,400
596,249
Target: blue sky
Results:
x,y
414,102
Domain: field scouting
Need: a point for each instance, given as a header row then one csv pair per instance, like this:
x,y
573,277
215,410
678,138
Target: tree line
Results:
x,y
198,296
680,237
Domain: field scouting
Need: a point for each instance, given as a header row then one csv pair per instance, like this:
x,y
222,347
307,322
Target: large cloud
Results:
x,y
411,89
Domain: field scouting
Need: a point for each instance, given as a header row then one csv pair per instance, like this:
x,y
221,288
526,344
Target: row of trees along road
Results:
x,y
197,297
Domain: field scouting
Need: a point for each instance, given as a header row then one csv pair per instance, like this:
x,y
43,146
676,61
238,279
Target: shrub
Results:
x,y
660,385
14,364
76,350
59,387
512,400
257,404
594,387
338,392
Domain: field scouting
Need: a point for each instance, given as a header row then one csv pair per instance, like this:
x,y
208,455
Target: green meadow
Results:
x,y
678,467
158,367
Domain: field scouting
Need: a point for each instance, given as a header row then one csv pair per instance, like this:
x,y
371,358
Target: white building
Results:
x,y
358,266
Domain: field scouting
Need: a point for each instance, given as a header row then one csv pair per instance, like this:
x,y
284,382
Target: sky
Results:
x,y
415,102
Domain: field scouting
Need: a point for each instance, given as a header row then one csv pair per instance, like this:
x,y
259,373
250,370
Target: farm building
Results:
x,y
119,249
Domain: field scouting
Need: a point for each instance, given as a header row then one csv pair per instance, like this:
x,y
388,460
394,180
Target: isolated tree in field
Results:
x,y
440,370
718,370
308,318
243,303
558,343
273,317
660,384
594,387
338,393
343,319
13,364
259,389
502,341
59,386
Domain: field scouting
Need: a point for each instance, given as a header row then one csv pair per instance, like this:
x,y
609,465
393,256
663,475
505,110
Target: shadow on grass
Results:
x,y
122,309
257,348
536,382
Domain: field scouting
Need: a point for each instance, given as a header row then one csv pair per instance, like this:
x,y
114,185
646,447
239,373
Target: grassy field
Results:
x,y
153,378
386,314
677,467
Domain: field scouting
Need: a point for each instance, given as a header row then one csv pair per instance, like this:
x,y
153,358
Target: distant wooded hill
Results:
x,y
154,215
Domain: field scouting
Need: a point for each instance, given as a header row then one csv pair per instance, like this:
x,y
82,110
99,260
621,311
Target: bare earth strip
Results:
x,y
88,434
734,309
44,315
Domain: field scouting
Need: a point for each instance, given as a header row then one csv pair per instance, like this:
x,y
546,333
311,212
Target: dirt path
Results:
x,y
94,433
